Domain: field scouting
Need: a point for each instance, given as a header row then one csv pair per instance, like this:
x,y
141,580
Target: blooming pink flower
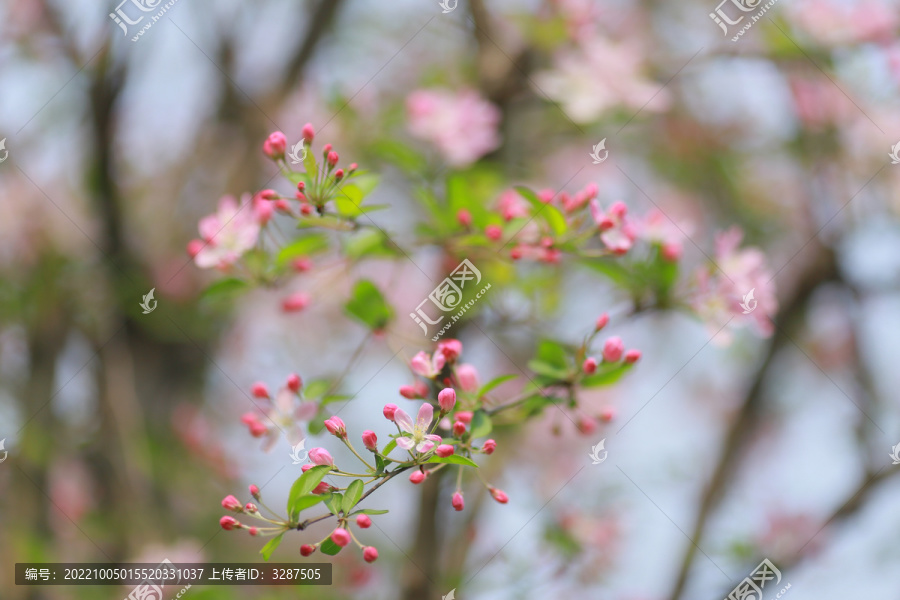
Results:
x,y
613,348
370,554
657,228
370,440
458,502
463,126
336,427
418,432
447,399
427,366
467,375
617,233
489,446
444,450
228,234
513,206
363,521
284,413
340,536
321,456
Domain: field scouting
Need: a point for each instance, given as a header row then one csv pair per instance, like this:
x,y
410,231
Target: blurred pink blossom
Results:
x,y
228,233
837,22
462,125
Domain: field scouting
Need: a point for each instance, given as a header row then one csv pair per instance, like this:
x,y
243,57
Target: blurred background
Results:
x,y
122,428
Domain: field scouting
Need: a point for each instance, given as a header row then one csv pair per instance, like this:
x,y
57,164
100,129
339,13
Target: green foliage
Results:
x,y
352,495
305,484
270,547
367,305
453,459
481,424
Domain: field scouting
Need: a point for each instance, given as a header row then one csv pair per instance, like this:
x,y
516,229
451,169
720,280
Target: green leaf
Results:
x,y
301,503
368,305
307,483
380,464
334,398
369,511
493,383
481,424
312,243
608,376
310,164
369,242
326,221
389,448
329,547
548,212
453,459
334,503
547,370
400,155
315,388
553,354
224,287
269,548
352,495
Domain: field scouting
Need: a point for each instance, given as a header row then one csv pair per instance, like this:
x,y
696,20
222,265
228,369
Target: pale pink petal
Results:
x,y
306,411
425,446
284,401
434,438
426,413
403,421
405,443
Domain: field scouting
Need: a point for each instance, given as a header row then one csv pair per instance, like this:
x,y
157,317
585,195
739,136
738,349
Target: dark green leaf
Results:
x,y
329,547
389,448
368,305
606,376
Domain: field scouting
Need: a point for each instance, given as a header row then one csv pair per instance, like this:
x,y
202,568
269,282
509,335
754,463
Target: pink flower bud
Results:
x,y
339,174
352,167
467,375
326,149
590,365
336,427
259,390
194,247
444,450
320,456
295,302
618,209
275,145
294,382
282,205
232,503
251,508
459,428
370,554
306,209
607,414
321,488
253,531
587,425
306,550
417,477
499,495
308,133
602,320
464,217
254,491
257,429
465,416
302,264
516,253
613,348
363,521
632,356
672,251
389,411
451,349
458,502
340,536
410,392
229,523
493,232
268,195
489,446
546,196
370,440
447,399
301,186
333,158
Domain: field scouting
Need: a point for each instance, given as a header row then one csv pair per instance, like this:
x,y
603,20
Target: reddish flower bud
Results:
x,y
499,495
587,425
607,414
229,523
363,521
308,133
232,503
301,186
295,302
294,382
417,477
493,232
672,251
333,158
464,217
268,195
306,209
613,348
320,456
306,550
259,390
444,450
370,440
389,411
546,196
326,149
340,536
458,502
275,145
336,427
339,174
253,531
302,264
352,167
515,253
632,356
451,349
459,428
602,320
194,247
590,365
465,416
251,508
254,491
489,446
447,399
370,554
258,429
410,392
282,205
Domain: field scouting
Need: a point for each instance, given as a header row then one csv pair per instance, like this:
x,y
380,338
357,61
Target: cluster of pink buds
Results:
x,y
283,413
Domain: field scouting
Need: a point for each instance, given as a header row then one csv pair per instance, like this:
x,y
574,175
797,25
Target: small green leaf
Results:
x,y
606,376
547,370
309,163
553,354
369,511
315,388
307,483
493,383
312,243
301,503
334,398
224,287
352,495
269,548
334,503
367,304
548,212
380,464
389,448
453,459
481,424
329,547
